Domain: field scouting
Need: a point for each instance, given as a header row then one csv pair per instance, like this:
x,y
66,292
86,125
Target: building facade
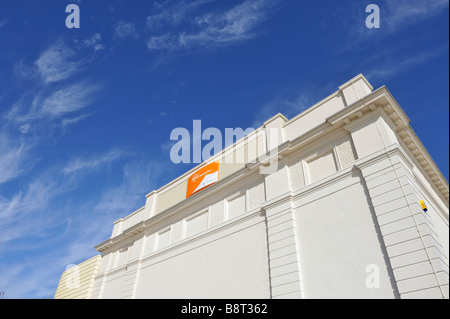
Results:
x,y
328,204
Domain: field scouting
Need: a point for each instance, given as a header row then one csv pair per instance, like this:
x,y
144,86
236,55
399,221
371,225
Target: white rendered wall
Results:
x,y
217,266
338,242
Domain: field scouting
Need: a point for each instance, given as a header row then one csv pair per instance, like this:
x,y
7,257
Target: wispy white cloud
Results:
x,y
386,61
69,99
14,155
45,105
27,223
3,23
52,100
50,106
94,42
230,27
139,178
165,42
66,122
395,16
125,30
390,67
26,206
57,63
15,148
402,13
25,72
93,162
29,123
235,25
172,13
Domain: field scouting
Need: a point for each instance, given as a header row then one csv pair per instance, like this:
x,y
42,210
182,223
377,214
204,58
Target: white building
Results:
x,y
340,216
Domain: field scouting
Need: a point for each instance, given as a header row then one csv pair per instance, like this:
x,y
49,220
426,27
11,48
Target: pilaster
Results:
x,y
130,282
284,260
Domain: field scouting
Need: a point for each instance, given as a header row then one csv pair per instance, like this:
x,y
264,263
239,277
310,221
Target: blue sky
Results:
x,y
86,114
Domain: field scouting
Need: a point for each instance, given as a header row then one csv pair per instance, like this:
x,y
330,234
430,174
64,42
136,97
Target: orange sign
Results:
x,y
203,178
